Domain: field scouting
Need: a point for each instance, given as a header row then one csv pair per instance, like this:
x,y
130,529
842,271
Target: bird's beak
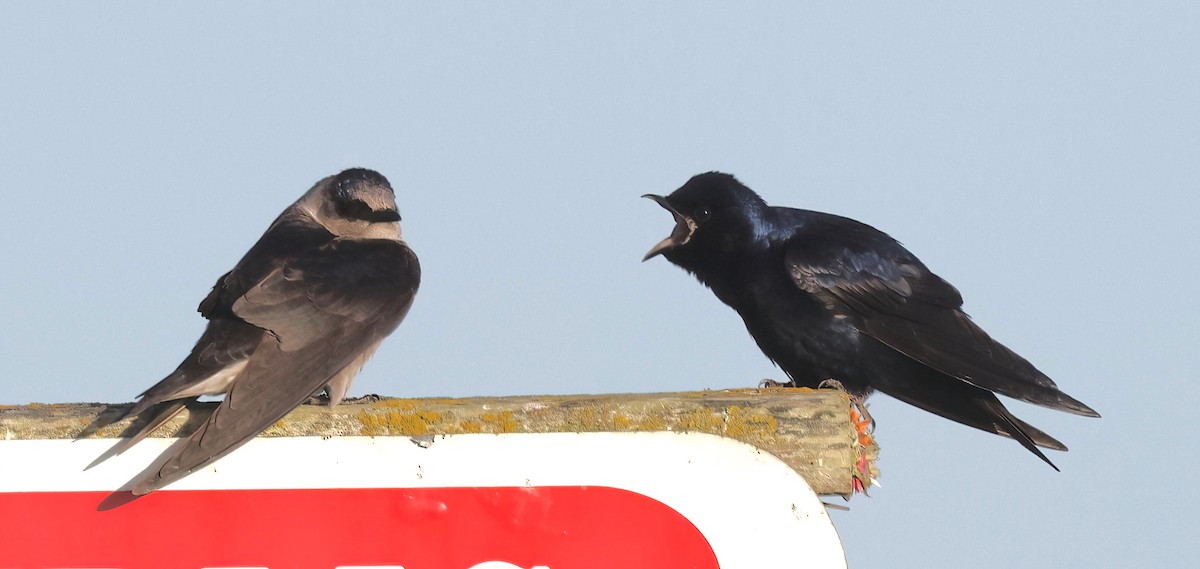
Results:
x,y
684,227
379,202
386,215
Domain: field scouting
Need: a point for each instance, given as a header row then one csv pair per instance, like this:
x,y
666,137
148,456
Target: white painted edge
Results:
x,y
754,510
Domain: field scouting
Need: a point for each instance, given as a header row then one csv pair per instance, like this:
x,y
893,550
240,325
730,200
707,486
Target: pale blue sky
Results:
x,y
1043,158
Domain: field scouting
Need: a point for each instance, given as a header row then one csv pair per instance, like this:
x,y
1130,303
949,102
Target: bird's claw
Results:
x,y
769,383
864,425
862,418
831,384
317,399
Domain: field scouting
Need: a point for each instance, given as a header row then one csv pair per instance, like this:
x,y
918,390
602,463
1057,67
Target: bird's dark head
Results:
x,y
715,217
362,194
356,203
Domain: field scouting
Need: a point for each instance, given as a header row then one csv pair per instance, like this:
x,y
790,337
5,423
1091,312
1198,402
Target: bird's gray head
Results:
x,y
714,215
357,203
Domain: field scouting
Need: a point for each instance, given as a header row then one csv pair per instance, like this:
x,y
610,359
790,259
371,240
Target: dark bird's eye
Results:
x,y
353,209
703,214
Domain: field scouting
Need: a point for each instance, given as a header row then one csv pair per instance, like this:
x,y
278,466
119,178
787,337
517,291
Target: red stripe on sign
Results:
x,y
573,527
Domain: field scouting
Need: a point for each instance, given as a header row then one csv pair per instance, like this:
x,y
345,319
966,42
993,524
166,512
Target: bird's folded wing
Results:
x,y
290,236
902,304
322,311
343,284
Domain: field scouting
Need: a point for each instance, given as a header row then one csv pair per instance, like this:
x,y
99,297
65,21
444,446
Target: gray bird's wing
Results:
x,y
227,341
321,310
891,296
214,362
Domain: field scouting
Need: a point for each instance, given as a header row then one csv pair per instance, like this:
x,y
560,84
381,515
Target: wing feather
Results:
x,y
893,298
324,309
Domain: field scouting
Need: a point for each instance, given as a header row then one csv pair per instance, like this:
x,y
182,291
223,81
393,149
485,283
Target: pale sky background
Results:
x,y
1043,157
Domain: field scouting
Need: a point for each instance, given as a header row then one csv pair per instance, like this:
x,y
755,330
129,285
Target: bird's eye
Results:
x,y
702,214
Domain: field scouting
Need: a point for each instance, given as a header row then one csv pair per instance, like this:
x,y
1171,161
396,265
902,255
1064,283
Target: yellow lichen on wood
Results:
x,y
702,421
393,422
398,403
809,430
471,426
622,423
502,422
651,424
741,424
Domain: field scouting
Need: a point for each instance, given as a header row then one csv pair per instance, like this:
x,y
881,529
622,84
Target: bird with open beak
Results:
x,y
835,301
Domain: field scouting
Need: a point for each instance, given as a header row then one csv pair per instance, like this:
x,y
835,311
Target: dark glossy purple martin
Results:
x,y
829,298
298,315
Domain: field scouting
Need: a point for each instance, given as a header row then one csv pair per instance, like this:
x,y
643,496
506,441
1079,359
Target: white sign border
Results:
x,y
754,510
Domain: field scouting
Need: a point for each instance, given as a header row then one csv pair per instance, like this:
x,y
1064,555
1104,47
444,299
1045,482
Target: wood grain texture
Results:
x,y
811,431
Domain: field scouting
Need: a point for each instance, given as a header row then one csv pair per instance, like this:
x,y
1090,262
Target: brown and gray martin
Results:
x,y
299,314
829,298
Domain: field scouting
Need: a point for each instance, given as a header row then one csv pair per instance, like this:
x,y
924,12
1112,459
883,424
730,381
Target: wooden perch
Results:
x,y
810,431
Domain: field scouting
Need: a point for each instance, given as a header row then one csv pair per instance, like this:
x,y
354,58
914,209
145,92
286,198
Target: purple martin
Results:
x,y
298,315
832,300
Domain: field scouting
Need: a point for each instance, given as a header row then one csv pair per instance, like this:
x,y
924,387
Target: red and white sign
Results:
x,y
519,501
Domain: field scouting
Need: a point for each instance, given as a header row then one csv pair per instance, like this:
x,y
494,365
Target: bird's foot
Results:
x,y
317,399
864,425
863,414
863,421
831,383
769,383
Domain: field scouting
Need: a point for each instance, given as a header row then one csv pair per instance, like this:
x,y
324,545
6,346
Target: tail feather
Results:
x,y
1037,436
1019,434
971,406
140,429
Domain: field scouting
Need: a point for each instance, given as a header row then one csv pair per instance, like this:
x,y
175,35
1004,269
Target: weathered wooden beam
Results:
x,y
811,431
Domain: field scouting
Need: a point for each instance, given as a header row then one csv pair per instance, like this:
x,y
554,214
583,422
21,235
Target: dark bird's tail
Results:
x,y
971,406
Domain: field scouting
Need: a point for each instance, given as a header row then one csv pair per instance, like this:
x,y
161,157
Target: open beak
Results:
x,y
684,227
